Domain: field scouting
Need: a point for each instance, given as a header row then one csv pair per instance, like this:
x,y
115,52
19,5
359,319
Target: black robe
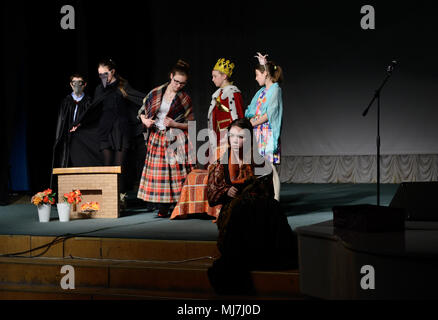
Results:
x,y
116,108
113,112
64,139
84,146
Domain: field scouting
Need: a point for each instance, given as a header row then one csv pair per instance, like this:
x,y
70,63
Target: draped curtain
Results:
x,y
358,169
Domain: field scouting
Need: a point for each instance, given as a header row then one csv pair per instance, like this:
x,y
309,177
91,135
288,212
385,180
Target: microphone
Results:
x,y
391,66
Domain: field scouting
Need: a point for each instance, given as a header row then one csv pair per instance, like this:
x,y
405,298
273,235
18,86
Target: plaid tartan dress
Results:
x,y
194,196
165,169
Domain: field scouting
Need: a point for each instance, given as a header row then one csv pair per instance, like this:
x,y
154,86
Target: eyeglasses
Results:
x,y
179,82
78,82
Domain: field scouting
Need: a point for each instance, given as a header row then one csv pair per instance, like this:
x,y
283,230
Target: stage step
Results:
x,y
107,248
40,278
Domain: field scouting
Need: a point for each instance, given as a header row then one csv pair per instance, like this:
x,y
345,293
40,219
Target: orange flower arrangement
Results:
x,y
73,197
90,206
45,197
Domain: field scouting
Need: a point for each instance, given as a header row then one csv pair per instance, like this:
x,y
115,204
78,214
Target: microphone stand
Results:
x,y
376,96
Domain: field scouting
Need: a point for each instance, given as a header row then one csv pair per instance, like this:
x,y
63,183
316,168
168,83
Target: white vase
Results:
x,y
63,211
44,212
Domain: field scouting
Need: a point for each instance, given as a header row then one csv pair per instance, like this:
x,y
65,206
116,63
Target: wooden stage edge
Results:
x,y
106,248
114,268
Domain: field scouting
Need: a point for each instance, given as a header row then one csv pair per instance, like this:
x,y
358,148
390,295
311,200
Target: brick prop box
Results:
x,y
99,184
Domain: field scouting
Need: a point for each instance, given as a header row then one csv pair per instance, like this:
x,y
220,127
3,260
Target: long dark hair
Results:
x,y
244,123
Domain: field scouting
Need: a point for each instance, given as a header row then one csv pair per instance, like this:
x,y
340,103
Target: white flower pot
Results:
x,y
44,212
63,211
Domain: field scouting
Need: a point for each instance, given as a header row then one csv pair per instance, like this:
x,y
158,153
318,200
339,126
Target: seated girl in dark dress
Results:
x,y
253,232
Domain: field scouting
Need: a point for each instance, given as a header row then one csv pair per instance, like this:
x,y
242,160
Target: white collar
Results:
x,y
76,97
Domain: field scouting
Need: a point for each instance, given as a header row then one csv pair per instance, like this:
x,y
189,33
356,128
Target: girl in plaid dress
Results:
x,y
165,113
266,111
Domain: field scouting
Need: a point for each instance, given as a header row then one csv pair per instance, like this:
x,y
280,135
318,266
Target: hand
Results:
x,y
74,128
259,120
232,192
147,122
169,122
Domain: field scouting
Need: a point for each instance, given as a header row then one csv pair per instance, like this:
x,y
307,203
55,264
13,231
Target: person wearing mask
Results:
x,y
72,108
112,105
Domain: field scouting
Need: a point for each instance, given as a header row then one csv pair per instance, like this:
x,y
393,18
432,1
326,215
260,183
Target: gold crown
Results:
x,y
224,66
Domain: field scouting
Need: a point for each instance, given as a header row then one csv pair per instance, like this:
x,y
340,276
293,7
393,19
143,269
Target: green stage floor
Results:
x,y
304,204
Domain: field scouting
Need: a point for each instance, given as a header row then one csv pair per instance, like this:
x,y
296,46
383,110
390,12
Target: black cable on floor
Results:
x,y
64,238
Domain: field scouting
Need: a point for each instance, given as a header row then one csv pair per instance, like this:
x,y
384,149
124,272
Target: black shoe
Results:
x,y
163,214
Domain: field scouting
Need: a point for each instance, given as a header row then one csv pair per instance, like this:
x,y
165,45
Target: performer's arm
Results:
x,y
144,109
256,122
217,188
147,122
275,114
188,116
75,128
274,110
133,95
91,108
239,105
170,123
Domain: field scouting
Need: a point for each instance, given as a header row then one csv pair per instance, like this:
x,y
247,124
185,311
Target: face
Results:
x,y
218,78
104,71
237,138
177,81
77,84
261,77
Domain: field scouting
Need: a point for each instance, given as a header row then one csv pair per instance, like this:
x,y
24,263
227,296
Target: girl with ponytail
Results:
x,y
266,112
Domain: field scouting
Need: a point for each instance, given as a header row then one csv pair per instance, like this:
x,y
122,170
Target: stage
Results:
x,y
304,204
139,256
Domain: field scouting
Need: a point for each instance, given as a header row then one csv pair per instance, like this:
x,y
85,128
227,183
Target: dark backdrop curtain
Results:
x,y
14,88
146,38
39,56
